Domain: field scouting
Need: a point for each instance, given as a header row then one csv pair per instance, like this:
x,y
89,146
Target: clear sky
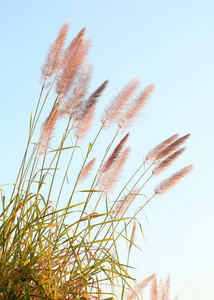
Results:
x,y
168,43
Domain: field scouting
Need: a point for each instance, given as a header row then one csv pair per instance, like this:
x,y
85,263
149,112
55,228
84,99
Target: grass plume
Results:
x,y
169,183
86,171
135,293
84,119
135,107
48,129
154,152
115,109
168,161
54,56
58,242
172,147
115,154
110,177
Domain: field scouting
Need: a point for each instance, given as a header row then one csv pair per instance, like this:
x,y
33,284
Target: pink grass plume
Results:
x,y
84,119
72,103
109,179
172,147
116,108
54,56
169,183
168,161
71,48
47,129
86,171
154,152
136,291
70,70
123,205
154,289
115,153
135,107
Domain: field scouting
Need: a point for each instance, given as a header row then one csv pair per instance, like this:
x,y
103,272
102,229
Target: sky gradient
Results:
x,y
167,43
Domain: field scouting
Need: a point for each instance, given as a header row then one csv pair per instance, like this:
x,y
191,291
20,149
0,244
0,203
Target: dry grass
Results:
x,y
60,242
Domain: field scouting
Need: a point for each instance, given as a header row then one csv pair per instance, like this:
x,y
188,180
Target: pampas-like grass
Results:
x,y
114,112
86,171
115,154
172,147
122,206
168,161
48,129
154,152
161,293
54,56
74,100
135,107
67,77
68,53
169,183
62,243
110,178
84,119
154,290
133,235
136,291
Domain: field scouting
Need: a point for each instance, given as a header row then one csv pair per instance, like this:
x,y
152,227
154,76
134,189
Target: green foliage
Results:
x,y
56,240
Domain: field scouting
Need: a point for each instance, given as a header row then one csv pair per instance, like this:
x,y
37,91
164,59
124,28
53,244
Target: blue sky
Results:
x,y
168,43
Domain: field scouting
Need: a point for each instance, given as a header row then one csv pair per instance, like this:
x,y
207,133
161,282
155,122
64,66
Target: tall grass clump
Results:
x,y
61,226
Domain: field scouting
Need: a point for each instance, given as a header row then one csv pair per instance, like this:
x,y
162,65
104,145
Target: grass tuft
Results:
x,y
58,241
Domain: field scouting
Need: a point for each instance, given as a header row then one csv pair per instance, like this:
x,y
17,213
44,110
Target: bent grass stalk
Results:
x,y
162,187
73,252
